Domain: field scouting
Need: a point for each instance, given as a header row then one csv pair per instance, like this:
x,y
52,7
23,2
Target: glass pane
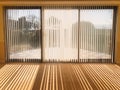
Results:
x,y
96,33
61,35
23,33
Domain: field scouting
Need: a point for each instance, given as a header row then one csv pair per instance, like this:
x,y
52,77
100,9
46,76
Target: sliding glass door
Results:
x,y
78,34
95,35
60,35
23,30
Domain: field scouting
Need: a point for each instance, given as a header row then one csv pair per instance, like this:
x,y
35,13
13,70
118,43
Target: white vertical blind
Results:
x,y
61,31
80,34
95,34
23,34
96,25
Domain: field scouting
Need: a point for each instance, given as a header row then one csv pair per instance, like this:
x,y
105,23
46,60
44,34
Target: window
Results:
x,y
78,34
96,26
23,34
61,38
95,38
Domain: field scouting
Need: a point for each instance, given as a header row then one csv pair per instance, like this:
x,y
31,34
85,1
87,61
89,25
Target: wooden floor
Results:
x,y
59,76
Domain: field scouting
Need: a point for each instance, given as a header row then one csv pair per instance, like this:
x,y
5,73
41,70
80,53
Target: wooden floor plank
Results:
x,y
59,76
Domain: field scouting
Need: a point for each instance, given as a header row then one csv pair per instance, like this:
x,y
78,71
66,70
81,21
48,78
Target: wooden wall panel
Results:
x,y
2,45
2,52
117,44
59,2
